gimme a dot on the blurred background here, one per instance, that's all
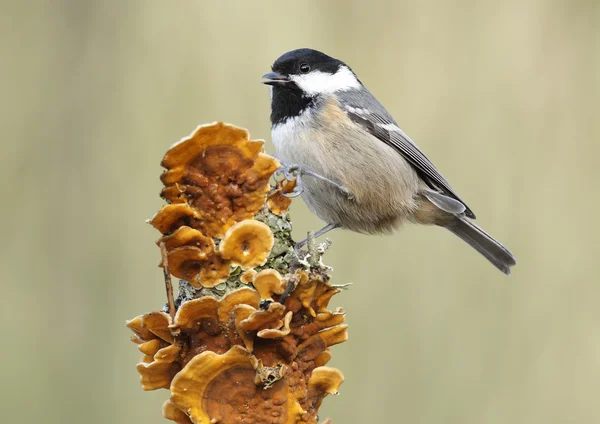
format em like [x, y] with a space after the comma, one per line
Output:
[502, 96]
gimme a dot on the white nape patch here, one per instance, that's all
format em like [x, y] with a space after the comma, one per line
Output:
[396, 128]
[317, 82]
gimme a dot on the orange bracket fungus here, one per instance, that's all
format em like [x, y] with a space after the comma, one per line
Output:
[249, 334]
[247, 243]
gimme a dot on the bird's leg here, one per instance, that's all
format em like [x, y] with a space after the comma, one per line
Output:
[317, 233]
[295, 172]
[327, 180]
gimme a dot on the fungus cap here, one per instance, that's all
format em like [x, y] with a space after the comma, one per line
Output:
[186, 262]
[248, 276]
[219, 172]
[187, 236]
[268, 282]
[274, 333]
[277, 202]
[215, 270]
[170, 217]
[245, 296]
[241, 312]
[173, 413]
[204, 390]
[189, 313]
[247, 243]
[191, 387]
[152, 325]
[326, 379]
[272, 318]
[158, 373]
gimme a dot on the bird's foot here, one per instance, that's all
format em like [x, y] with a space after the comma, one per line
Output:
[296, 172]
[292, 173]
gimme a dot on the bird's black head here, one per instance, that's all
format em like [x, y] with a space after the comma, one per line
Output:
[300, 76]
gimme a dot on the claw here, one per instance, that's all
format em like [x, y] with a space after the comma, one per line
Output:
[293, 194]
[298, 188]
[291, 173]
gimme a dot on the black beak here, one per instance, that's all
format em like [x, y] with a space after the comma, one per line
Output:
[275, 79]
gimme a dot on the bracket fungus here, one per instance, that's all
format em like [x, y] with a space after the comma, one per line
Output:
[250, 334]
[220, 173]
[247, 243]
[268, 282]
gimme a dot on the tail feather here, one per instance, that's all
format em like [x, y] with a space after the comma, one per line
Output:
[481, 241]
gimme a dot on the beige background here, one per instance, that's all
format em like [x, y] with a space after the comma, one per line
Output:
[503, 97]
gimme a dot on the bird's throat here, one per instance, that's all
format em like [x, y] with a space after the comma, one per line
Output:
[287, 103]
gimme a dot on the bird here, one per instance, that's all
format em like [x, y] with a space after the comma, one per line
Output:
[356, 169]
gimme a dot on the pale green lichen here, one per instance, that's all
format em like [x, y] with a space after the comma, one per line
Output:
[282, 254]
[282, 258]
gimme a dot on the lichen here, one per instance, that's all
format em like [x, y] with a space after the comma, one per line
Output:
[283, 253]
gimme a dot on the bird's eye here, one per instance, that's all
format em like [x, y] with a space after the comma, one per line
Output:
[305, 68]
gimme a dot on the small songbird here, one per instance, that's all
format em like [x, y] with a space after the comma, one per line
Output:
[364, 173]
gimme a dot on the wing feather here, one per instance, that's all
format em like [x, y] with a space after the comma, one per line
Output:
[377, 121]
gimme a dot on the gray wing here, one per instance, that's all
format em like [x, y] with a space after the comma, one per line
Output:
[367, 112]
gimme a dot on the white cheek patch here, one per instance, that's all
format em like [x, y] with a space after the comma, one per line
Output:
[317, 82]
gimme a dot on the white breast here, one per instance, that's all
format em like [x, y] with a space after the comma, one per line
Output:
[292, 137]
